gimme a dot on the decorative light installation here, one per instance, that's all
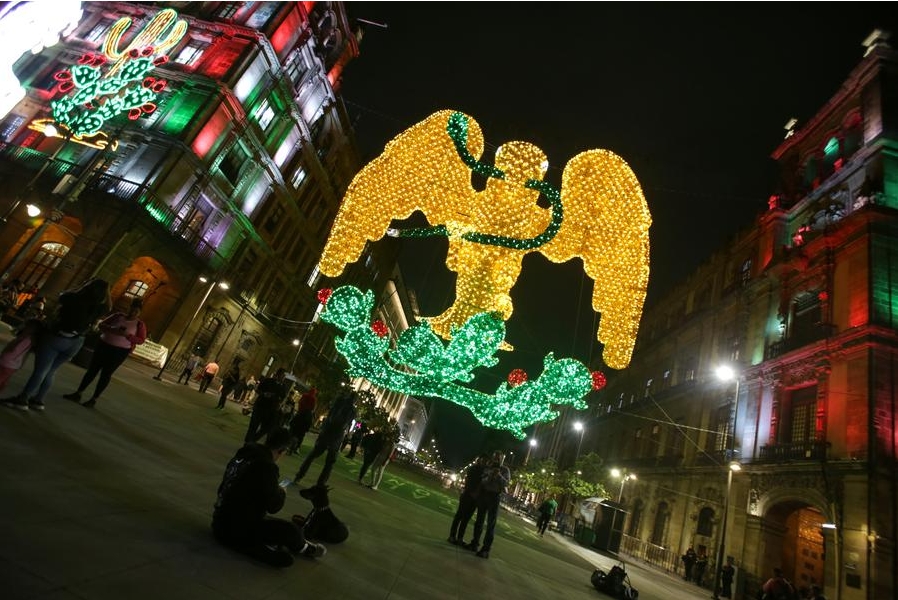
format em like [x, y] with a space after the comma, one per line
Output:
[422, 364]
[600, 216]
[93, 96]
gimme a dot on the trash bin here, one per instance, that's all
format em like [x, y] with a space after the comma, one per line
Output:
[586, 536]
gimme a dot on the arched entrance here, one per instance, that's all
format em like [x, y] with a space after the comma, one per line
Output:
[794, 542]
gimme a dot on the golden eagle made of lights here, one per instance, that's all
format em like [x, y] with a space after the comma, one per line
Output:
[600, 216]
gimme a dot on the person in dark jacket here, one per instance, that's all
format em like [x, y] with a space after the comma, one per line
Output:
[229, 383]
[330, 436]
[78, 311]
[467, 501]
[248, 493]
[270, 393]
[302, 420]
[372, 444]
[496, 477]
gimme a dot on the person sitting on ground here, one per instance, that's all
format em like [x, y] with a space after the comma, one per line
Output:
[248, 493]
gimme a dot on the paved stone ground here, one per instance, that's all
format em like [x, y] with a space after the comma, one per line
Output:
[115, 503]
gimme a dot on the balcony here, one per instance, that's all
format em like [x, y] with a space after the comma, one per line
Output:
[793, 452]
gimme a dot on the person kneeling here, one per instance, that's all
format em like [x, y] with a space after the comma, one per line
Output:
[248, 493]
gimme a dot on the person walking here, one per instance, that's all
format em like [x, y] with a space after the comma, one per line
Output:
[248, 493]
[688, 561]
[495, 480]
[209, 373]
[358, 433]
[371, 445]
[727, 574]
[546, 512]
[467, 500]
[302, 420]
[78, 311]
[229, 382]
[120, 333]
[192, 363]
[383, 458]
[270, 393]
[330, 437]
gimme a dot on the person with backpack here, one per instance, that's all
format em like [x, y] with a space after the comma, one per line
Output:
[495, 479]
[546, 512]
[778, 587]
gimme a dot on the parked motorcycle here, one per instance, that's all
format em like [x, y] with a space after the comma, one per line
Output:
[615, 583]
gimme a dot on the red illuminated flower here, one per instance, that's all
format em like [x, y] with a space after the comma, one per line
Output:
[598, 380]
[517, 377]
[324, 295]
[379, 328]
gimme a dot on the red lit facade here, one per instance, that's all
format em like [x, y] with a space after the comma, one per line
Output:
[804, 305]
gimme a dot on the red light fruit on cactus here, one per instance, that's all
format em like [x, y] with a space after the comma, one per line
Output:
[379, 328]
[517, 377]
[598, 380]
[324, 295]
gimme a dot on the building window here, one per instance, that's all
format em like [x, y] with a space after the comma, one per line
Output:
[136, 289]
[720, 430]
[264, 114]
[274, 217]
[804, 412]
[206, 336]
[705, 522]
[45, 261]
[190, 54]
[228, 10]
[745, 271]
[98, 32]
[806, 318]
[232, 163]
[660, 527]
[298, 177]
[635, 518]
[297, 68]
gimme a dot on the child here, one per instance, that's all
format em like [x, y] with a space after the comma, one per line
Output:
[12, 357]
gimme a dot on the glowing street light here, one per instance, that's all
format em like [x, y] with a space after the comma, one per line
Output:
[578, 426]
[733, 467]
[531, 444]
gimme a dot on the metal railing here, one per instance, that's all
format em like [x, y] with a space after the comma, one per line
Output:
[649, 553]
[815, 450]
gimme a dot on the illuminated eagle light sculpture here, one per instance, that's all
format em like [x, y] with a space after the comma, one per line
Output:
[599, 215]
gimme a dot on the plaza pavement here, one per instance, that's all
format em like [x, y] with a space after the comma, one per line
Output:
[115, 503]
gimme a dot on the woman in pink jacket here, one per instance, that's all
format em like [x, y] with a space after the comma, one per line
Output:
[119, 334]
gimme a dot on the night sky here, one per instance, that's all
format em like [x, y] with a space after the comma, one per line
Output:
[693, 96]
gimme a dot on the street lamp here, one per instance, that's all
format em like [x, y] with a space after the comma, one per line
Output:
[733, 467]
[578, 426]
[300, 342]
[727, 373]
[531, 444]
[212, 285]
[624, 478]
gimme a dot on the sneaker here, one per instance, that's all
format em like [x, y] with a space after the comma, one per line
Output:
[90, 403]
[484, 554]
[74, 397]
[15, 402]
[273, 556]
[452, 541]
[35, 405]
[313, 550]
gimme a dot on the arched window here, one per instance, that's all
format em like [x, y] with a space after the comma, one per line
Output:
[660, 527]
[705, 521]
[45, 261]
[207, 335]
[636, 518]
[136, 289]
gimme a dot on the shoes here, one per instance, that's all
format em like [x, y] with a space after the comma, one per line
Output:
[313, 550]
[274, 556]
[15, 402]
[74, 396]
[453, 541]
[469, 546]
[35, 405]
[90, 403]
[484, 554]
[308, 493]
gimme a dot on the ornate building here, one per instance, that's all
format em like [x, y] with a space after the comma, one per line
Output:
[803, 305]
[173, 146]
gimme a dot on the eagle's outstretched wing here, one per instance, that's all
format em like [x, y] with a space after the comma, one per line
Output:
[606, 223]
[420, 169]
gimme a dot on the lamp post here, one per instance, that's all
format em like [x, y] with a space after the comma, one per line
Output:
[727, 373]
[624, 477]
[531, 444]
[578, 426]
[299, 343]
[212, 285]
[733, 467]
